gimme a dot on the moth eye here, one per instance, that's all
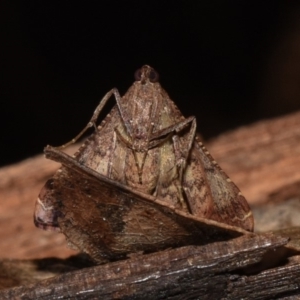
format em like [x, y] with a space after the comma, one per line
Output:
[138, 75]
[153, 76]
[146, 73]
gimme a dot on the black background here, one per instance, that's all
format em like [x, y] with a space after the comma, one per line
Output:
[227, 62]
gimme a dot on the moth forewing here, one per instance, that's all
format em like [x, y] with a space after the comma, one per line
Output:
[211, 192]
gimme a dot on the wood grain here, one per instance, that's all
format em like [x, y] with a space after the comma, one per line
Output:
[262, 159]
[192, 272]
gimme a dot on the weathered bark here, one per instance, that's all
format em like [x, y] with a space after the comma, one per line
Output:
[213, 271]
[262, 159]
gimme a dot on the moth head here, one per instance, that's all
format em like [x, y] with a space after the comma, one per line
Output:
[146, 74]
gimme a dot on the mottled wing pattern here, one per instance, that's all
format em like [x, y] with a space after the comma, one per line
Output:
[97, 150]
[210, 193]
[122, 191]
[229, 203]
[108, 220]
[205, 188]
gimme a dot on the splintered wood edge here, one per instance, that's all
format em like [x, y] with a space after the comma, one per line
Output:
[158, 271]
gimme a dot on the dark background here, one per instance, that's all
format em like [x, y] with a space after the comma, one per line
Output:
[229, 63]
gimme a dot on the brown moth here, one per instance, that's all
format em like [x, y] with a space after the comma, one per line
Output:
[145, 146]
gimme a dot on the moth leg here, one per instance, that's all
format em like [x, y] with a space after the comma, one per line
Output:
[93, 120]
[182, 156]
[159, 136]
[127, 141]
[123, 137]
[181, 151]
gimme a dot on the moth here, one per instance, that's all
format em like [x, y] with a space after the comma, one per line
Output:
[143, 181]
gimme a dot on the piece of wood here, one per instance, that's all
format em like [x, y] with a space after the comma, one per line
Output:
[263, 159]
[208, 272]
